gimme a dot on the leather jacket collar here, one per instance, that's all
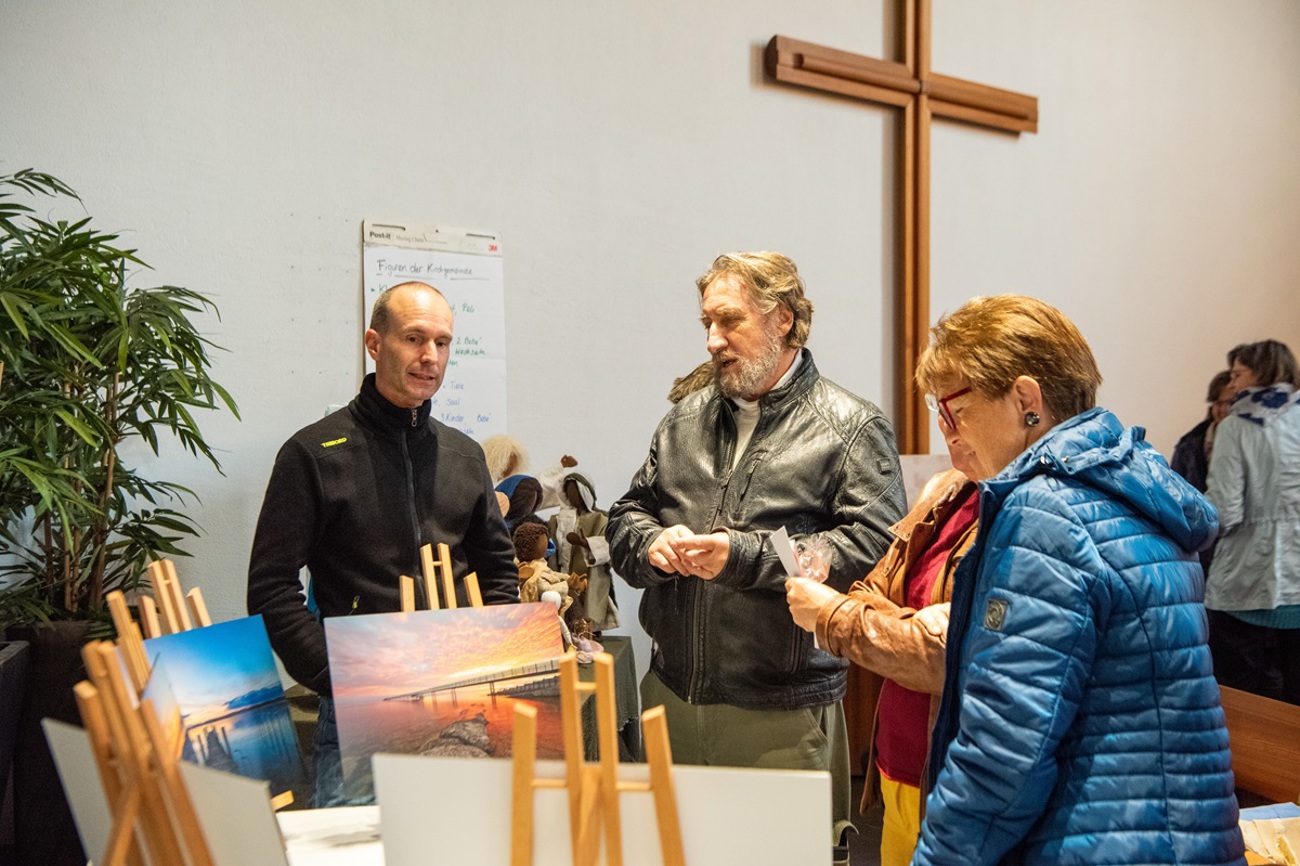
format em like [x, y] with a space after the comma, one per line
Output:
[799, 383]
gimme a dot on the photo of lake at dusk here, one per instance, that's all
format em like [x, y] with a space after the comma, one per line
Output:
[443, 682]
[257, 742]
[222, 681]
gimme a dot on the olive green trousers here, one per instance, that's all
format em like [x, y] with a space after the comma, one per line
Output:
[809, 738]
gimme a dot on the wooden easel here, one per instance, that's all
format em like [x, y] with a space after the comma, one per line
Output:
[130, 644]
[176, 608]
[433, 569]
[137, 756]
[593, 789]
[176, 618]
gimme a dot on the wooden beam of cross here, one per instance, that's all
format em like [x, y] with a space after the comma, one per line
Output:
[922, 95]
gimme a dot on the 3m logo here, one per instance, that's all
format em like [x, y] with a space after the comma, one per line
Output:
[995, 615]
[333, 442]
[492, 248]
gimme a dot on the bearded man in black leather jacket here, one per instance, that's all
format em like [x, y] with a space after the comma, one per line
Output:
[770, 444]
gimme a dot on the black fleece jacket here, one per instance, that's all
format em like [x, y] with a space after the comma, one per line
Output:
[353, 497]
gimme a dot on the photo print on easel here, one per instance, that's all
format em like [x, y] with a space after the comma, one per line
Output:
[442, 682]
[233, 711]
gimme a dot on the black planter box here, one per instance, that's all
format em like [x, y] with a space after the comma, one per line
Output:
[13, 680]
[44, 832]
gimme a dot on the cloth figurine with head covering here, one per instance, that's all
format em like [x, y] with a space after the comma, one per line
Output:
[578, 532]
[506, 457]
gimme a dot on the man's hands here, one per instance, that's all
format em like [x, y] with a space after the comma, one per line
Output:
[806, 598]
[681, 551]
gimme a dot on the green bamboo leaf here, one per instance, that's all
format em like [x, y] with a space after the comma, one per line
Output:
[78, 426]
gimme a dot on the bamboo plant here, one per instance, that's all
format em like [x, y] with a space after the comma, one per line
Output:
[90, 361]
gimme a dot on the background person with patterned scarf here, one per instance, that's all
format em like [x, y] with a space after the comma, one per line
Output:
[1253, 589]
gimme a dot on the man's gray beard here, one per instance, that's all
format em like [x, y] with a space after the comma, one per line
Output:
[745, 377]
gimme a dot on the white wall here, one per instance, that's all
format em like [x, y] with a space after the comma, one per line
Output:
[618, 147]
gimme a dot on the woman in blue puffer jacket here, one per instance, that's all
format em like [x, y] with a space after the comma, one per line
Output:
[1080, 718]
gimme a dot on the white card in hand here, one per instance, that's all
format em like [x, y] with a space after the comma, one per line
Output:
[785, 550]
[789, 560]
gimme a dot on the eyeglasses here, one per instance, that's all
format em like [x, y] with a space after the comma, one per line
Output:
[940, 405]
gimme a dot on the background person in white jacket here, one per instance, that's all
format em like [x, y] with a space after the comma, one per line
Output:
[1253, 589]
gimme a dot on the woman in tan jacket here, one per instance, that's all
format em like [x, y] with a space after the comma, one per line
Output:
[894, 623]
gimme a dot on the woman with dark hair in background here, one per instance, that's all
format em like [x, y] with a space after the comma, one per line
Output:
[1253, 588]
[1192, 453]
[1191, 457]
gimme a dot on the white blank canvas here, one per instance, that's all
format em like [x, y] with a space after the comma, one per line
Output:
[457, 810]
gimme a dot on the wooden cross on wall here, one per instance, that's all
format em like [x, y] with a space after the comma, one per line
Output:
[922, 95]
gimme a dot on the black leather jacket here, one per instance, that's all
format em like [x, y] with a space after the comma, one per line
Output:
[821, 461]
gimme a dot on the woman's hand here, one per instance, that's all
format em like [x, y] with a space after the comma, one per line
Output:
[806, 599]
[934, 618]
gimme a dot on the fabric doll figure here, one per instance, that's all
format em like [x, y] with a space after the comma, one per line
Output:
[524, 495]
[578, 530]
[535, 577]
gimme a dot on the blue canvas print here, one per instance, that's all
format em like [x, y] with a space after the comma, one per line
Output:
[234, 714]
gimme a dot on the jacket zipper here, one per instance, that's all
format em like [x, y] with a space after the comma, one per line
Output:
[696, 660]
[410, 493]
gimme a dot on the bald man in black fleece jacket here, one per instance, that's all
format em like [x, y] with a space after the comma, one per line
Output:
[354, 496]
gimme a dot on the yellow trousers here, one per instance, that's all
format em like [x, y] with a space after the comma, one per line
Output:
[902, 822]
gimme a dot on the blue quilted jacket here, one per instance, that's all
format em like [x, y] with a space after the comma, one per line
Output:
[1080, 719]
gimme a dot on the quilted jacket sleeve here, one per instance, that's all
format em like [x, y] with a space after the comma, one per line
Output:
[1026, 660]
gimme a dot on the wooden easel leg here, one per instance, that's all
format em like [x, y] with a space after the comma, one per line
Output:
[194, 598]
[132, 751]
[177, 598]
[123, 796]
[149, 617]
[163, 596]
[448, 581]
[607, 732]
[406, 592]
[165, 757]
[571, 718]
[591, 806]
[654, 727]
[593, 789]
[129, 640]
[472, 590]
[525, 770]
[121, 838]
[429, 568]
